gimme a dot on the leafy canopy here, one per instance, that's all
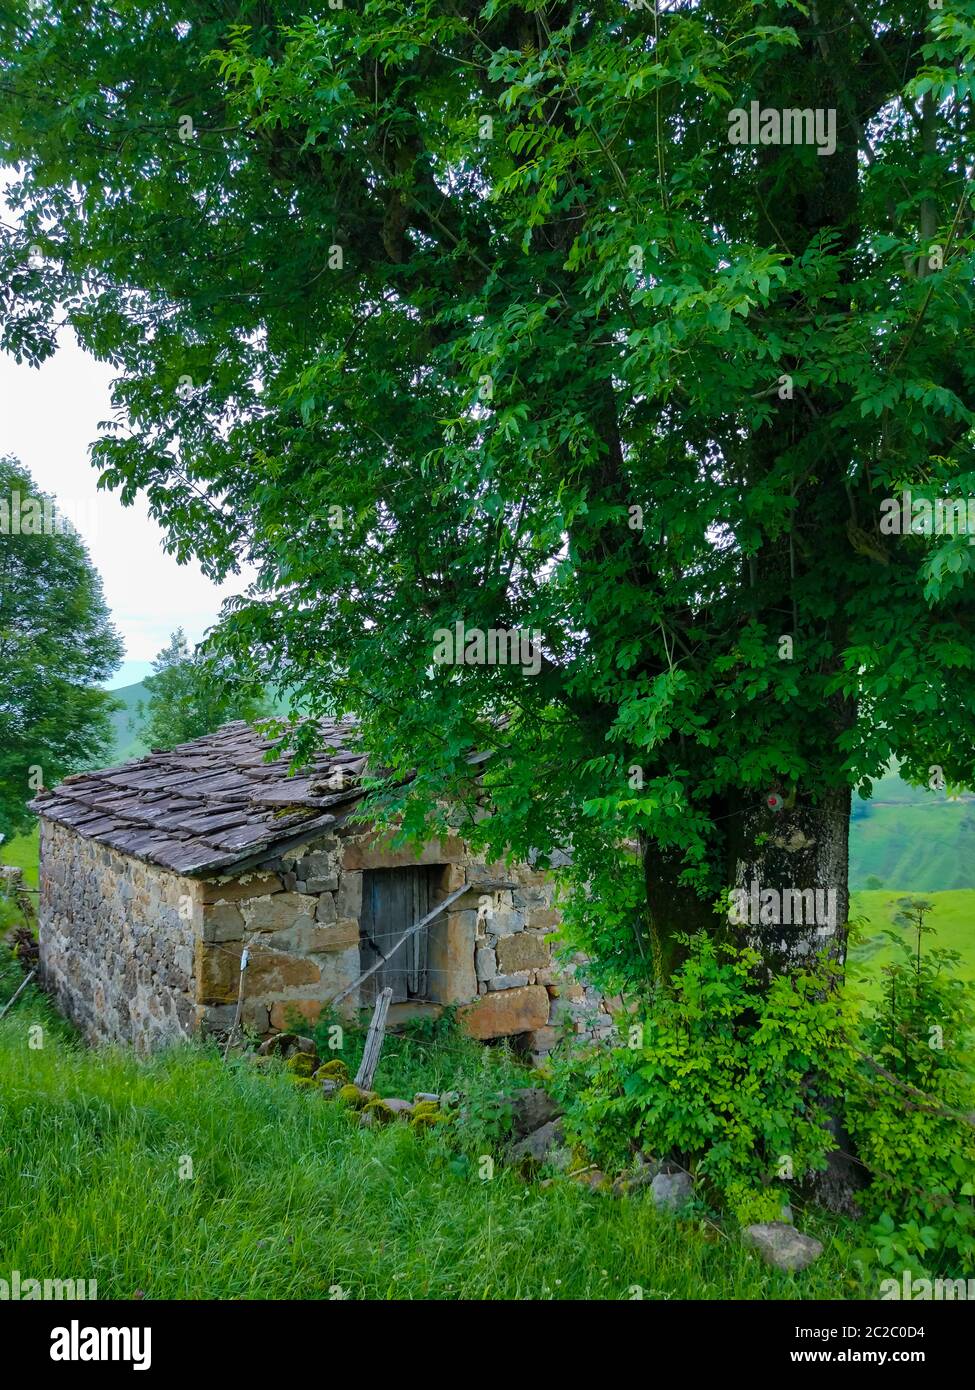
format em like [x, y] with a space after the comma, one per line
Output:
[56, 645]
[474, 313]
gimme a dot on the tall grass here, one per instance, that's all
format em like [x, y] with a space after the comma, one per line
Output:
[288, 1198]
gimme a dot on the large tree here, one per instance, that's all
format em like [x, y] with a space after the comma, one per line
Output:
[484, 313]
[56, 645]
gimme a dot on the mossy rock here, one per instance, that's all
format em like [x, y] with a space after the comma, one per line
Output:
[300, 1064]
[429, 1119]
[385, 1112]
[335, 1070]
[302, 1080]
[425, 1107]
[355, 1097]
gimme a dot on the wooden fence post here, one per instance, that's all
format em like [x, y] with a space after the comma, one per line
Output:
[374, 1041]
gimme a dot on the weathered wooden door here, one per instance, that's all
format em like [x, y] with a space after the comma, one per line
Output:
[392, 900]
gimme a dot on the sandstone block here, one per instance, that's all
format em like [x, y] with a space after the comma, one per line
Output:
[270, 971]
[278, 912]
[348, 898]
[283, 1010]
[523, 951]
[451, 956]
[485, 964]
[544, 918]
[370, 853]
[222, 922]
[217, 970]
[506, 1012]
[212, 891]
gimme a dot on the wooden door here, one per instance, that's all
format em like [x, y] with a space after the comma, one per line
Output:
[392, 901]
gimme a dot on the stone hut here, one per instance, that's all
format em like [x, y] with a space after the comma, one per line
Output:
[155, 876]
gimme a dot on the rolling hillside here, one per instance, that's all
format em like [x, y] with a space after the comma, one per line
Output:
[912, 839]
[125, 722]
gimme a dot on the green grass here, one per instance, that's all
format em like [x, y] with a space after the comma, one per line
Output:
[23, 853]
[289, 1198]
[953, 920]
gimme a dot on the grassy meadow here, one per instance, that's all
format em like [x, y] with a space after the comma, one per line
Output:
[288, 1198]
[181, 1177]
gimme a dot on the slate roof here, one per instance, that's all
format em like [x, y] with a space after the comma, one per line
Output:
[208, 806]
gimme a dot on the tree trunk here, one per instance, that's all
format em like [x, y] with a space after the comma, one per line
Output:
[789, 869]
[789, 874]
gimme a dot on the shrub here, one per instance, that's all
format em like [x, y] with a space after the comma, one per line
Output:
[911, 1105]
[735, 1082]
[738, 1085]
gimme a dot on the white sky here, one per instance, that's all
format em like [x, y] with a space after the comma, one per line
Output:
[48, 418]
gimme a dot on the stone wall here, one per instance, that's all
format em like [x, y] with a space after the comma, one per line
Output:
[116, 941]
[140, 955]
[299, 917]
[489, 953]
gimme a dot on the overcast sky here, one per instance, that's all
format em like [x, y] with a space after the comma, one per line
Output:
[48, 418]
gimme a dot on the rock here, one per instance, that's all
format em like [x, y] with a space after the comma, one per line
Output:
[333, 1070]
[485, 964]
[385, 1109]
[398, 1107]
[222, 922]
[507, 1011]
[508, 981]
[355, 1096]
[348, 899]
[633, 1181]
[670, 1191]
[270, 971]
[544, 1145]
[543, 917]
[425, 1095]
[523, 951]
[279, 912]
[426, 1107]
[531, 1107]
[781, 1245]
[284, 1009]
[592, 1178]
[325, 911]
[451, 954]
[301, 1064]
[232, 890]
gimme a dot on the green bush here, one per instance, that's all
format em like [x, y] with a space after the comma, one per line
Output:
[912, 1122]
[738, 1083]
[732, 1081]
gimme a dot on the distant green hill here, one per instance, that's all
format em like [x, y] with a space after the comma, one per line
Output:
[125, 722]
[912, 839]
